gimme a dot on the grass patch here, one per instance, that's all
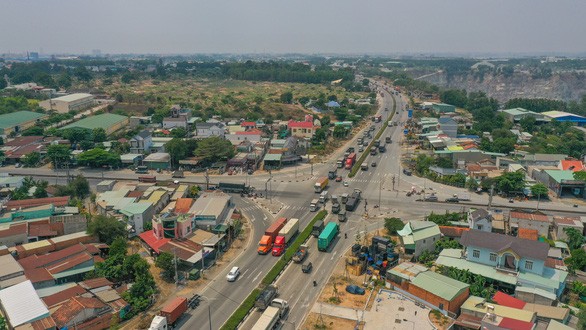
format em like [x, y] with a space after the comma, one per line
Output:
[365, 154]
[248, 303]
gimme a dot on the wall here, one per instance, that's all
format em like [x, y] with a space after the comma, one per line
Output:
[427, 244]
[452, 306]
[541, 226]
[71, 223]
[533, 298]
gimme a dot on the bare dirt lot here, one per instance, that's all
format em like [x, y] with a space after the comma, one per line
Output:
[316, 321]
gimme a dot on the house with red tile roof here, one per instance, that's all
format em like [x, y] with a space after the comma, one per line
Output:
[526, 233]
[529, 220]
[561, 223]
[571, 165]
[183, 205]
[302, 129]
[452, 232]
[13, 234]
[248, 125]
[78, 310]
[63, 296]
[34, 202]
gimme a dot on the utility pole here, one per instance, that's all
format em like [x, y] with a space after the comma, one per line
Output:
[207, 176]
[380, 189]
[393, 182]
[175, 263]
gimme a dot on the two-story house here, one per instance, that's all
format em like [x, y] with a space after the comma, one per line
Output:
[302, 129]
[419, 236]
[141, 143]
[448, 126]
[208, 129]
[179, 118]
[480, 219]
[506, 259]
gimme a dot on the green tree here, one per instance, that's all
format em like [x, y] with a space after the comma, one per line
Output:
[32, 159]
[166, 262]
[445, 243]
[82, 73]
[107, 229]
[392, 225]
[119, 246]
[580, 175]
[286, 97]
[214, 148]
[79, 187]
[33, 131]
[59, 154]
[3, 325]
[340, 132]
[41, 189]
[341, 113]
[575, 238]
[179, 132]
[99, 134]
[177, 149]
[75, 135]
[577, 261]
[582, 318]
[539, 190]
[472, 184]
[64, 80]
[98, 157]
[511, 182]
[528, 124]
[320, 134]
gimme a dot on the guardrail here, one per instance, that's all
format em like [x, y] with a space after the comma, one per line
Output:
[248, 304]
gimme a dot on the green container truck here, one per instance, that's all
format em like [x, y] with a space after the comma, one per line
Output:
[327, 236]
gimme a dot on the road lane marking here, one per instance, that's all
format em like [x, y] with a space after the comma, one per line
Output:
[246, 271]
[256, 277]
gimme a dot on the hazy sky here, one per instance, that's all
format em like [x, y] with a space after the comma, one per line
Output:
[305, 26]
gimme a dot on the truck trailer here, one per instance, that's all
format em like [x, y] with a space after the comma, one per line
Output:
[350, 161]
[169, 314]
[327, 236]
[266, 242]
[233, 187]
[289, 230]
[272, 315]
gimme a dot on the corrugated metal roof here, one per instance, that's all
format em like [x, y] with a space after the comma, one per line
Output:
[476, 268]
[15, 118]
[439, 285]
[72, 97]
[22, 304]
[407, 270]
[104, 121]
[478, 304]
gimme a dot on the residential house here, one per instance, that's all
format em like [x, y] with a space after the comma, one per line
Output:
[79, 310]
[21, 304]
[248, 125]
[141, 143]
[571, 165]
[11, 272]
[452, 232]
[137, 215]
[478, 313]
[508, 261]
[208, 129]
[561, 223]
[542, 159]
[252, 135]
[544, 313]
[13, 234]
[179, 118]
[419, 236]
[480, 219]
[448, 126]
[211, 209]
[529, 220]
[170, 225]
[441, 172]
[10, 182]
[302, 129]
[483, 169]
[157, 160]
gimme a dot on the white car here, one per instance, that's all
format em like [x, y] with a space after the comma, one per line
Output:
[345, 183]
[233, 274]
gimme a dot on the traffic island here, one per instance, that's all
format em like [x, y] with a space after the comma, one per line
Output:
[271, 205]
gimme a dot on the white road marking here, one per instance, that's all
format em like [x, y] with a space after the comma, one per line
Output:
[244, 273]
[256, 277]
[333, 255]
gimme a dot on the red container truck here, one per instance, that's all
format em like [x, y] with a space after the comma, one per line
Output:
[266, 242]
[350, 161]
[171, 313]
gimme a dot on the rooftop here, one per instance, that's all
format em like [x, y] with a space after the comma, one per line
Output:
[499, 242]
[439, 285]
[407, 270]
[210, 204]
[72, 97]
[9, 266]
[105, 121]
[451, 258]
[15, 118]
[64, 295]
[300, 124]
[480, 305]
[22, 304]
[158, 157]
[135, 208]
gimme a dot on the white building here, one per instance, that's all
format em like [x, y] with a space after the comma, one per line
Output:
[71, 102]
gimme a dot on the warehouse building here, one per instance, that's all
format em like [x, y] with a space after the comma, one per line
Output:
[19, 121]
[109, 122]
[71, 102]
[565, 117]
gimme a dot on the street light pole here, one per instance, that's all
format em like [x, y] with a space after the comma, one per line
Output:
[209, 311]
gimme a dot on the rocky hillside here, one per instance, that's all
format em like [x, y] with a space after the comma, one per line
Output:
[564, 86]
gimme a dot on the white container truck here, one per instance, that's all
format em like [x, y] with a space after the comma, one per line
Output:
[290, 229]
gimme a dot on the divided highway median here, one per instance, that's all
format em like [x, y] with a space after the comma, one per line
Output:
[360, 160]
[248, 304]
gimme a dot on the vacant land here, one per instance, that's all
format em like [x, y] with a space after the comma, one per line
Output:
[225, 97]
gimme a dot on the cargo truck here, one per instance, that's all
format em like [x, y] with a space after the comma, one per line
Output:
[327, 236]
[300, 255]
[289, 230]
[353, 200]
[147, 178]
[320, 184]
[314, 205]
[169, 314]
[335, 208]
[272, 315]
[142, 170]
[342, 216]
[317, 228]
[265, 298]
[350, 161]
[332, 173]
[266, 242]
[344, 198]
[233, 187]
[378, 118]
[323, 197]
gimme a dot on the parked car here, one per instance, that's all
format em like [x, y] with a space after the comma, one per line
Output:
[355, 289]
[233, 274]
[452, 200]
